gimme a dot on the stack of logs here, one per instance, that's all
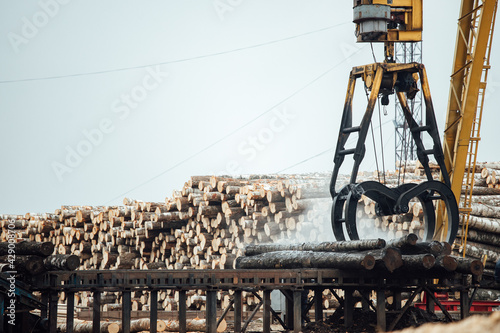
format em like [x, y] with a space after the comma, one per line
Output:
[211, 219]
[403, 255]
[483, 227]
[33, 258]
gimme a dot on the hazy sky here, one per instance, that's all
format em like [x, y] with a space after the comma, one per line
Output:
[105, 99]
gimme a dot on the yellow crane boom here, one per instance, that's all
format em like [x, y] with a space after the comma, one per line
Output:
[465, 105]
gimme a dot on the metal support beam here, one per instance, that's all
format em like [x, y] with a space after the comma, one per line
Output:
[45, 301]
[237, 311]
[348, 308]
[211, 312]
[289, 308]
[53, 299]
[153, 315]
[266, 316]
[96, 313]
[182, 311]
[464, 304]
[318, 305]
[397, 299]
[297, 311]
[365, 306]
[429, 304]
[126, 310]
[70, 311]
[381, 319]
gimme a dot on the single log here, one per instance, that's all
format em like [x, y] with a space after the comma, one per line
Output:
[144, 324]
[445, 263]
[483, 237]
[469, 266]
[447, 248]
[477, 252]
[84, 326]
[65, 262]
[307, 259]
[340, 246]
[435, 248]
[492, 200]
[489, 165]
[407, 240]
[193, 325]
[483, 223]
[388, 258]
[485, 210]
[28, 248]
[417, 262]
[477, 190]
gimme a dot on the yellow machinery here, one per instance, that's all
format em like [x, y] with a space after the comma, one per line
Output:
[465, 106]
[392, 21]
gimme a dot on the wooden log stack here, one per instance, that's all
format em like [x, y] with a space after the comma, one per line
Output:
[209, 221]
[403, 255]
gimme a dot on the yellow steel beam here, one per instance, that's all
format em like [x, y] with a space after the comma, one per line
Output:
[475, 28]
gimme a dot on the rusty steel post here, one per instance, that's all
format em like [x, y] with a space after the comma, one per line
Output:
[153, 315]
[267, 312]
[126, 310]
[182, 311]
[297, 311]
[237, 311]
[211, 312]
[70, 311]
[96, 313]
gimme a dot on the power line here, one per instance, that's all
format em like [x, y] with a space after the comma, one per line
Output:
[324, 152]
[235, 130]
[308, 159]
[175, 61]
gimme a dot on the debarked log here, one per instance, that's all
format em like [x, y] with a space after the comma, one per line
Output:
[307, 259]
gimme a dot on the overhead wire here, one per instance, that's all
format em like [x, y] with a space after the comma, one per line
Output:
[322, 153]
[175, 61]
[237, 129]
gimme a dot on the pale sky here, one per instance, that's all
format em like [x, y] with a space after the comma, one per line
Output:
[105, 99]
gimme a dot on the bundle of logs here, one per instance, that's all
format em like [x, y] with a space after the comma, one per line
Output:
[33, 258]
[401, 255]
[482, 227]
[208, 223]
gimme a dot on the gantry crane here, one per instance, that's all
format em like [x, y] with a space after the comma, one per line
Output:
[393, 21]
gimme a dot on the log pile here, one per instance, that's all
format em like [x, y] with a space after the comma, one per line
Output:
[33, 258]
[403, 255]
[483, 231]
[208, 223]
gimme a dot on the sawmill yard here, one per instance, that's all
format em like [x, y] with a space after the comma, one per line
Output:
[252, 222]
